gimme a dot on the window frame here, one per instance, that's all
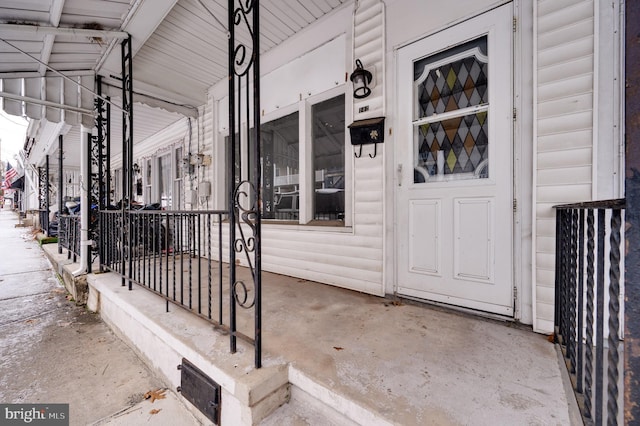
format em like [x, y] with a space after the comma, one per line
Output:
[306, 161]
[177, 181]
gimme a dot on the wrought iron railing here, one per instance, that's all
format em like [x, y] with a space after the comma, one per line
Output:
[43, 219]
[69, 235]
[589, 307]
[179, 256]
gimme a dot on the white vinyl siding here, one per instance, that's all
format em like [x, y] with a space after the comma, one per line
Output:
[564, 35]
[349, 256]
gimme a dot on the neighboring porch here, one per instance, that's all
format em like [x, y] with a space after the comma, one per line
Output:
[349, 357]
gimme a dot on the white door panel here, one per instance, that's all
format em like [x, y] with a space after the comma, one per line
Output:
[473, 239]
[454, 144]
[424, 239]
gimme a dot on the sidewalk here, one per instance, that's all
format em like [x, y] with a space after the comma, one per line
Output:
[53, 351]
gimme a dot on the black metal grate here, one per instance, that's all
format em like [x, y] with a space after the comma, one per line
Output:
[200, 390]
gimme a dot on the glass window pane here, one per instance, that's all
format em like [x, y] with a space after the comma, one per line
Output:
[458, 146]
[165, 180]
[451, 80]
[328, 158]
[280, 159]
[178, 161]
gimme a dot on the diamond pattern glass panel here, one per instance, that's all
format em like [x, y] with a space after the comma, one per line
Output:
[447, 85]
[461, 143]
[455, 147]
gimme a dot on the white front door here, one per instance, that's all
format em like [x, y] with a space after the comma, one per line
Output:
[454, 203]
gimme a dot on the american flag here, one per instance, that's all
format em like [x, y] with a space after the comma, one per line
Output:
[9, 175]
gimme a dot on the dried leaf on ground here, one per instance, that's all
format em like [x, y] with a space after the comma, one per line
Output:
[31, 321]
[338, 348]
[155, 394]
[155, 411]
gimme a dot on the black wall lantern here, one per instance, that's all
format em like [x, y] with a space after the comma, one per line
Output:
[361, 79]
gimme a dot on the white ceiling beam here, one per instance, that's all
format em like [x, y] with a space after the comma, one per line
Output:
[13, 29]
[45, 54]
[56, 12]
[54, 19]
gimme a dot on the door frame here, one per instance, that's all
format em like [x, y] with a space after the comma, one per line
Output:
[522, 164]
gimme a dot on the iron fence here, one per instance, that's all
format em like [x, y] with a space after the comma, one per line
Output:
[43, 219]
[589, 306]
[179, 256]
[69, 235]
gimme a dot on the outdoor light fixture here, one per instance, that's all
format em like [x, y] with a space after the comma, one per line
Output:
[361, 79]
[136, 168]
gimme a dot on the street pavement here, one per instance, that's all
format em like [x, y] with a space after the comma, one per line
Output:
[53, 351]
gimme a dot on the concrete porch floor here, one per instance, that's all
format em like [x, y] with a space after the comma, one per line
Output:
[374, 361]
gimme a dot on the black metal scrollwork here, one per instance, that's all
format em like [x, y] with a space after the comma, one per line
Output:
[243, 53]
[99, 167]
[246, 206]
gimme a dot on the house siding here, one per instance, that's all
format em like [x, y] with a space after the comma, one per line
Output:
[350, 258]
[563, 145]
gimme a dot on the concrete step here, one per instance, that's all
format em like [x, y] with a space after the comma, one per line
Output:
[303, 409]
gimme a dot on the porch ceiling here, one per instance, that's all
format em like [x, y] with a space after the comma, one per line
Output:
[179, 46]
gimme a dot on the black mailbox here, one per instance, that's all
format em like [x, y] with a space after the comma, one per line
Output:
[363, 132]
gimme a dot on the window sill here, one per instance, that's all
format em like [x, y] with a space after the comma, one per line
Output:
[312, 226]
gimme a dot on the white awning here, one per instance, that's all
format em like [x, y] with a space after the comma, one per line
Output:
[51, 97]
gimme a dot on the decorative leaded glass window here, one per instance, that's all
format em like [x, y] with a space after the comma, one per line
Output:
[450, 120]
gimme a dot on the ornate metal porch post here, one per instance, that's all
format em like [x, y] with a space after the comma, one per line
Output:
[60, 188]
[43, 196]
[244, 198]
[127, 149]
[99, 167]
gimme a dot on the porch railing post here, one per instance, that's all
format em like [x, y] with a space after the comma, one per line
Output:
[580, 302]
[232, 177]
[588, 379]
[127, 160]
[88, 181]
[599, 317]
[573, 248]
[99, 159]
[60, 188]
[244, 197]
[258, 182]
[46, 195]
[614, 323]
